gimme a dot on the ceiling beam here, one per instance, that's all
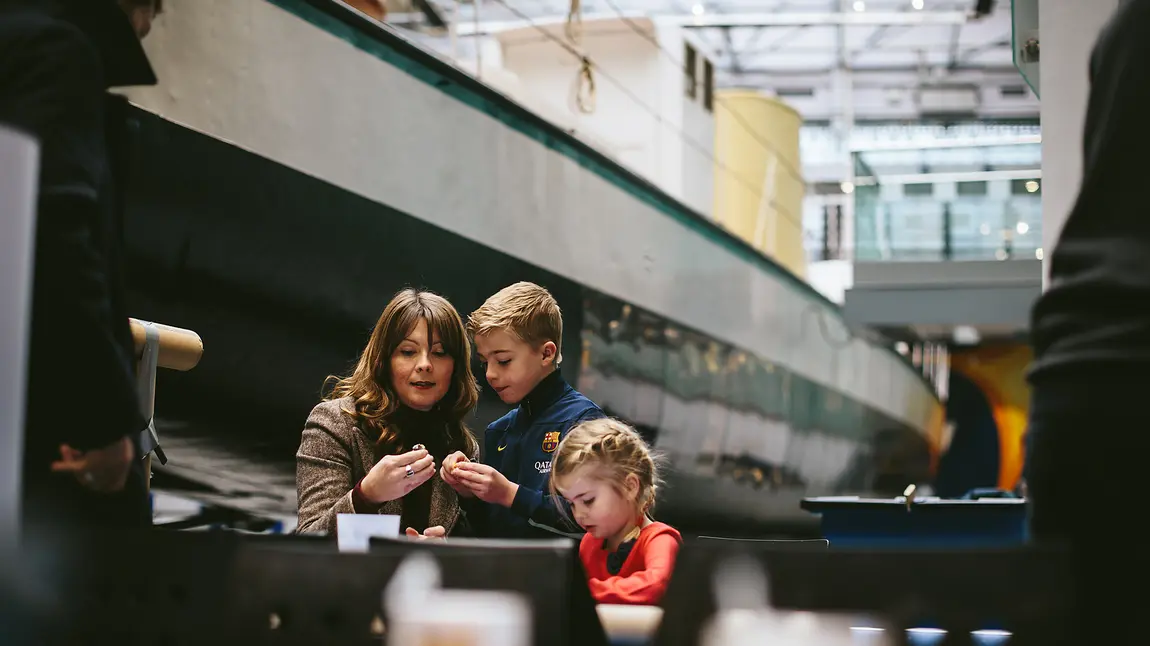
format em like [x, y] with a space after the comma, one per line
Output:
[952, 53]
[808, 19]
[737, 20]
[865, 69]
[939, 178]
[983, 142]
[866, 49]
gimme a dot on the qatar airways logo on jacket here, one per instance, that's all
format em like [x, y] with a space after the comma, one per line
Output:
[543, 467]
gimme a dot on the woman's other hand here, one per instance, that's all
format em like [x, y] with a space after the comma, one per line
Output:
[435, 532]
[104, 470]
[396, 475]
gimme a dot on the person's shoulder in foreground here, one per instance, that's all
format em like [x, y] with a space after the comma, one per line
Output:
[1090, 316]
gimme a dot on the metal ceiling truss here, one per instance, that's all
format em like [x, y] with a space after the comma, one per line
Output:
[768, 43]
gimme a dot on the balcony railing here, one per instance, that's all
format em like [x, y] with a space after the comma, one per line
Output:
[977, 201]
[956, 228]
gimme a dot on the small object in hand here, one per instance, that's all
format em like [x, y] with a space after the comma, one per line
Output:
[456, 465]
[418, 447]
[410, 472]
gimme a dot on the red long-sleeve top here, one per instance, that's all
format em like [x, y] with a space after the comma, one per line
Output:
[643, 578]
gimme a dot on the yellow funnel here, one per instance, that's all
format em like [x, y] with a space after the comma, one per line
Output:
[758, 180]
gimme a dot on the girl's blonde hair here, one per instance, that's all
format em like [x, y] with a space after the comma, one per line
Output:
[617, 450]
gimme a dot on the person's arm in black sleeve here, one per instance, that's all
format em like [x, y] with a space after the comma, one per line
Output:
[1115, 131]
[540, 507]
[51, 87]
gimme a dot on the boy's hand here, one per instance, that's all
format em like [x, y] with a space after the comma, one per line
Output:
[486, 483]
[446, 473]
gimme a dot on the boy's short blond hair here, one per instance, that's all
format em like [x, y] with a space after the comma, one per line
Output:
[526, 311]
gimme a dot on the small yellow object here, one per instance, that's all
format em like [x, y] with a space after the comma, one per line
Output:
[908, 493]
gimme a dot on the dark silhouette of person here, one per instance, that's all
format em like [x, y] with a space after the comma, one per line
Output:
[82, 466]
[1089, 426]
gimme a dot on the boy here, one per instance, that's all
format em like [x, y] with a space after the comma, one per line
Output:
[518, 336]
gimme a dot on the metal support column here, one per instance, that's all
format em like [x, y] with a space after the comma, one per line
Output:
[844, 91]
[947, 242]
[477, 40]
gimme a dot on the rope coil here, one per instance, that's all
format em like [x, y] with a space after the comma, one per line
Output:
[583, 91]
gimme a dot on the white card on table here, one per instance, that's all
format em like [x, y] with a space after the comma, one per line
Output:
[356, 530]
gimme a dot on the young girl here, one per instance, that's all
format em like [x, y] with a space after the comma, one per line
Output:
[605, 470]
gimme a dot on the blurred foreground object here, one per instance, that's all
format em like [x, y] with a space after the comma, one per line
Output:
[745, 614]
[19, 160]
[629, 623]
[421, 612]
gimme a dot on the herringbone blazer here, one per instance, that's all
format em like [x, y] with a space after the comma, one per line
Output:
[335, 454]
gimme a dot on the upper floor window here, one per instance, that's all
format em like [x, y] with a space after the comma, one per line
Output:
[690, 68]
[918, 190]
[708, 86]
[970, 188]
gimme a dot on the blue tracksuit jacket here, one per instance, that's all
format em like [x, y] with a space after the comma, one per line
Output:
[520, 445]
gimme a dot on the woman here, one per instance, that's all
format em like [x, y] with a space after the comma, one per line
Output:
[371, 447]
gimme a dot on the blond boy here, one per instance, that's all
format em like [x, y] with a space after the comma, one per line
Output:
[518, 335]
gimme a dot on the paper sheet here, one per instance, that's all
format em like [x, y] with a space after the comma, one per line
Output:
[356, 530]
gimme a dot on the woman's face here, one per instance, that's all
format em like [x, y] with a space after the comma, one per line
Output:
[421, 369]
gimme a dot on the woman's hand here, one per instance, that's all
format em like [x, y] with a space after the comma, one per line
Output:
[446, 471]
[389, 479]
[435, 532]
[486, 483]
[104, 470]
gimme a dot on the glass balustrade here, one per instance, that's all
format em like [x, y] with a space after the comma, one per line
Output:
[977, 202]
[959, 228]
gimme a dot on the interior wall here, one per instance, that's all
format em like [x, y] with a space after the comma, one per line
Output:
[1068, 29]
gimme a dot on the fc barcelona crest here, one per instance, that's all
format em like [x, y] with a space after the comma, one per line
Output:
[550, 441]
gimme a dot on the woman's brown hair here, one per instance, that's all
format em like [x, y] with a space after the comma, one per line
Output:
[369, 385]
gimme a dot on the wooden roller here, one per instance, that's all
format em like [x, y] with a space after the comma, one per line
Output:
[180, 349]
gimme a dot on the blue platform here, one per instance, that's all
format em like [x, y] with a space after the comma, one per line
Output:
[851, 521]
